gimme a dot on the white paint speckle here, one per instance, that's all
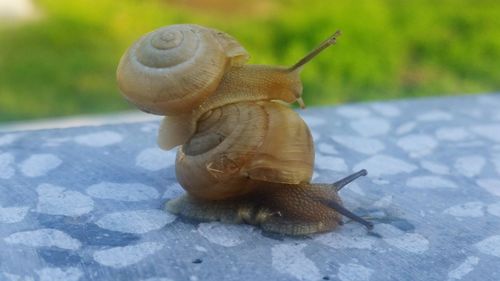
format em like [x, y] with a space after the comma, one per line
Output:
[435, 115]
[349, 236]
[173, 191]
[45, 237]
[435, 167]
[15, 277]
[119, 257]
[39, 164]
[200, 248]
[66, 274]
[491, 131]
[409, 242]
[56, 200]
[496, 162]
[380, 181]
[155, 159]
[452, 134]
[327, 148]
[313, 121]
[157, 279]
[141, 221]
[379, 165]
[463, 269]
[99, 139]
[383, 202]
[494, 209]
[490, 100]
[369, 127]
[490, 246]
[6, 169]
[386, 110]
[470, 166]
[406, 128]
[150, 127]
[227, 235]
[362, 145]
[330, 163]
[425, 182]
[354, 187]
[354, 272]
[417, 145]
[122, 191]
[492, 185]
[53, 142]
[353, 112]
[12, 214]
[8, 139]
[469, 209]
[290, 259]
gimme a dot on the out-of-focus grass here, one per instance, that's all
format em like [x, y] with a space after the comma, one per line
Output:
[64, 63]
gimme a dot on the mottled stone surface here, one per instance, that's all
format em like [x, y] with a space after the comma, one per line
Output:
[86, 203]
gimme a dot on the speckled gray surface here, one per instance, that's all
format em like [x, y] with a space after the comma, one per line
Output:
[85, 203]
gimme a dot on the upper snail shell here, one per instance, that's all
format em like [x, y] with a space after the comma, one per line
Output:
[173, 69]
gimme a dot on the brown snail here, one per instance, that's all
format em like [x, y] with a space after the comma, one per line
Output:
[245, 155]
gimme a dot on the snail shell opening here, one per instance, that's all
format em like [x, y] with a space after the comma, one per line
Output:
[173, 69]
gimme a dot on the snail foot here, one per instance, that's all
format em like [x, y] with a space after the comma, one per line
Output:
[290, 209]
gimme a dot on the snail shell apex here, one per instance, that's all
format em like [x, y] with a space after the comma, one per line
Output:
[173, 69]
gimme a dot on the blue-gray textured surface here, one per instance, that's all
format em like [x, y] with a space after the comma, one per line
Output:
[86, 203]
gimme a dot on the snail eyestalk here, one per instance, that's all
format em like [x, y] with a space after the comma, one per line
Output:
[340, 209]
[325, 44]
[338, 185]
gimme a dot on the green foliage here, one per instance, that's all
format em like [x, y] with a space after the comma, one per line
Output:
[64, 63]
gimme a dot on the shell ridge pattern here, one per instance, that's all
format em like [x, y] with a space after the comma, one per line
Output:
[165, 68]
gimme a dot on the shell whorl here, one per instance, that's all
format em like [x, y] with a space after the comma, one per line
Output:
[240, 144]
[173, 69]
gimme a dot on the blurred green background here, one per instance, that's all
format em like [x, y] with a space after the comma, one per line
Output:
[63, 60]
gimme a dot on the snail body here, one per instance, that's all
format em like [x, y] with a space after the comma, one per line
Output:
[244, 155]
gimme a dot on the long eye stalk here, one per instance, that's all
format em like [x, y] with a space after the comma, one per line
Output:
[325, 44]
[338, 185]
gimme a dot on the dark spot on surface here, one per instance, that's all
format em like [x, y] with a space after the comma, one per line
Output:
[87, 233]
[399, 223]
[197, 261]
[59, 258]
[326, 277]
[281, 237]
[273, 235]
[374, 234]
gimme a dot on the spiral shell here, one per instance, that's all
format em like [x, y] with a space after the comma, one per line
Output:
[173, 69]
[240, 144]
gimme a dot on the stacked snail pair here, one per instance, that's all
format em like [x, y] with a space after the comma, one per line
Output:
[245, 156]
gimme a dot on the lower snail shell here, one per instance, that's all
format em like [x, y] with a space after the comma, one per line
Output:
[239, 144]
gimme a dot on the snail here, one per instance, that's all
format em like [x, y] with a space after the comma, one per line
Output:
[245, 156]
